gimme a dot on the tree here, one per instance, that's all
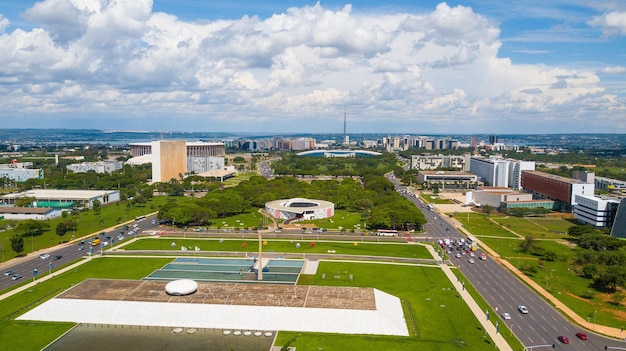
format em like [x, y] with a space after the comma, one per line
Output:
[96, 206]
[24, 201]
[617, 298]
[527, 243]
[61, 229]
[487, 209]
[17, 244]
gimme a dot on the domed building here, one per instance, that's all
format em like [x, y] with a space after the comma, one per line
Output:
[300, 209]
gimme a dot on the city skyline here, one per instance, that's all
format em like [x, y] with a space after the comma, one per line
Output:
[475, 66]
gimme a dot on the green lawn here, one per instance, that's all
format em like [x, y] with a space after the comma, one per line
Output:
[442, 320]
[284, 246]
[534, 226]
[435, 199]
[34, 336]
[481, 225]
[88, 222]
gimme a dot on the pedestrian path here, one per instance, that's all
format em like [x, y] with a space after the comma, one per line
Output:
[459, 285]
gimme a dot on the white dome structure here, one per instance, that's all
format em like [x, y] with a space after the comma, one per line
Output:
[181, 287]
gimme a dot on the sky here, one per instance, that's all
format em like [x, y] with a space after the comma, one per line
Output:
[411, 67]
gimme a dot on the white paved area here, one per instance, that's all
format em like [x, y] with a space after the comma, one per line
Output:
[310, 267]
[387, 319]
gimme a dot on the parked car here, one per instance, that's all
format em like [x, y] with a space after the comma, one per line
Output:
[581, 336]
[16, 276]
[505, 315]
[563, 339]
[522, 309]
[8, 273]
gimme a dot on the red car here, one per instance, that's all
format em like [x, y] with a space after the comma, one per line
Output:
[581, 336]
[563, 339]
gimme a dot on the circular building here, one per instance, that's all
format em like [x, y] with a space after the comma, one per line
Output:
[181, 287]
[300, 209]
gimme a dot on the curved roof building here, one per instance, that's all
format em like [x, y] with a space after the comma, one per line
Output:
[339, 153]
[300, 209]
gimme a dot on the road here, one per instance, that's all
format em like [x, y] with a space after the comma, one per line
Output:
[69, 252]
[504, 292]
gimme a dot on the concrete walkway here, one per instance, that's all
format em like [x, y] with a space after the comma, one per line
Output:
[490, 328]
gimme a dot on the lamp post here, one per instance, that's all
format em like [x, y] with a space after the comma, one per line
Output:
[538, 346]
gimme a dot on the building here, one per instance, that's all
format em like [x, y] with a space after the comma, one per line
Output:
[63, 198]
[515, 172]
[169, 160]
[21, 174]
[300, 209]
[98, 167]
[599, 212]
[495, 196]
[559, 189]
[448, 179]
[493, 171]
[25, 213]
[430, 161]
[602, 183]
[200, 156]
[619, 223]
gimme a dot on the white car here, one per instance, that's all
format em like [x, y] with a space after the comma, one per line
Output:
[522, 309]
[44, 256]
[506, 315]
[471, 260]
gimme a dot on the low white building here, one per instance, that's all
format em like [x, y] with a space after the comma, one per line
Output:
[58, 198]
[24, 213]
[98, 167]
[496, 196]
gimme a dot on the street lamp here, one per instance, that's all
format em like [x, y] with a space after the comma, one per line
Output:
[538, 346]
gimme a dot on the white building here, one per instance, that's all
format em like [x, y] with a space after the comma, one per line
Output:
[48, 197]
[494, 171]
[495, 196]
[515, 172]
[25, 213]
[21, 174]
[594, 210]
[430, 162]
[98, 167]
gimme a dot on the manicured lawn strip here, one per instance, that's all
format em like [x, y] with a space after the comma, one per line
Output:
[347, 221]
[554, 225]
[33, 336]
[246, 221]
[443, 320]
[480, 225]
[528, 226]
[274, 247]
[435, 199]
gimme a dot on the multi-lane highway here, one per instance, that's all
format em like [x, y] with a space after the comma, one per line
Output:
[33, 264]
[504, 292]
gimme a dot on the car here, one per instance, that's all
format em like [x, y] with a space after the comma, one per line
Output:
[81, 248]
[471, 254]
[44, 256]
[458, 255]
[563, 339]
[522, 309]
[581, 336]
[16, 276]
[57, 257]
[8, 273]
[505, 315]
[471, 260]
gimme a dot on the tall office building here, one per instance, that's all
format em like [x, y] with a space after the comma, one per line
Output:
[619, 223]
[493, 139]
[494, 171]
[169, 160]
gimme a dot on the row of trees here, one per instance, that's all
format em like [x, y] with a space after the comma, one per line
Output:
[372, 196]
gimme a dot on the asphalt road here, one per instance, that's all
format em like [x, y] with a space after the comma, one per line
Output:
[69, 252]
[505, 292]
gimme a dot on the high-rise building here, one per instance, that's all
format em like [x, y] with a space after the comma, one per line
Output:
[169, 160]
[493, 139]
[494, 171]
[619, 223]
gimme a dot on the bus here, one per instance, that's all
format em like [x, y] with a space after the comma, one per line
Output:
[386, 232]
[473, 242]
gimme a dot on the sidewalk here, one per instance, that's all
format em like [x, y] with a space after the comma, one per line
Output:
[497, 338]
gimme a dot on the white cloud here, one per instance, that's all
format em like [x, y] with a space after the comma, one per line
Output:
[119, 57]
[613, 70]
[612, 23]
[4, 23]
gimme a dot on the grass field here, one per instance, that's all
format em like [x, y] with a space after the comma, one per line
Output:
[537, 227]
[284, 246]
[481, 225]
[442, 320]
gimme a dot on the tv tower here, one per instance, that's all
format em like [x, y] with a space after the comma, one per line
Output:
[346, 138]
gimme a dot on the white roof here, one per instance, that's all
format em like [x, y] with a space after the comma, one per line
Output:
[59, 194]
